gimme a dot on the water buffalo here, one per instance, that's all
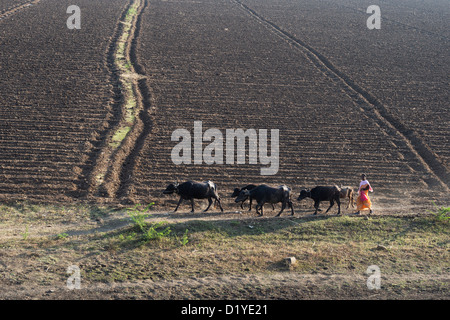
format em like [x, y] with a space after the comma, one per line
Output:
[348, 193]
[191, 190]
[265, 194]
[247, 187]
[321, 193]
[236, 192]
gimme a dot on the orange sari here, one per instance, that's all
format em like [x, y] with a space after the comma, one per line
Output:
[363, 200]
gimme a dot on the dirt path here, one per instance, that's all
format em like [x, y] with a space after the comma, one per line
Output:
[289, 286]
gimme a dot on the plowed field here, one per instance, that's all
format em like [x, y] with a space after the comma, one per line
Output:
[231, 67]
[87, 117]
[56, 98]
[345, 99]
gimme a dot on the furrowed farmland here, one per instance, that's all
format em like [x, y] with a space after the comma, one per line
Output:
[97, 120]
[231, 68]
[57, 98]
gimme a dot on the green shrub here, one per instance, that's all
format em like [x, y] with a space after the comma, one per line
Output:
[149, 232]
[138, 215]
[441, 214]
[153, 234]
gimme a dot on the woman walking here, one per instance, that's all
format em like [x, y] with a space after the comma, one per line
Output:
[363, 202]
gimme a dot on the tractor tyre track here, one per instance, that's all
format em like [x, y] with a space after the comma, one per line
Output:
[111, 178]
[428, 161]
[100, 153]
[124, 191]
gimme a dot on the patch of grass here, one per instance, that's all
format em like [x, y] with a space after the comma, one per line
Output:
[131, 13]
[184, 239]
[62, 235]
[26, 233]
[328, 244]
[148, 232]
[130, 104]
[119, 136]
[442, 214]
[125, 65]
[152, 249]
[155, 231]
[128, 237]
[138, 215]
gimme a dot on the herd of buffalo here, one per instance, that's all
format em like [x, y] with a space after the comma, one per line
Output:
[262, 194]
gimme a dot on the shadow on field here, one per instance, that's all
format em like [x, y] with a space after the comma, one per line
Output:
[230, 224]
[122, 235]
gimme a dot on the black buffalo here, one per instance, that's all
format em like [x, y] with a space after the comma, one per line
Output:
[247, 187]
[265, 194]
[191, 190]
[236, 192]
[322, 193]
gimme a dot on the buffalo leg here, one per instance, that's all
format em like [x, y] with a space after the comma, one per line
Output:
[250, 207]
[339, 205]
[179, 202]
[209, 204]
[283, 205]
[292, 207]
[220, 205]
[260, 207]
[331, 204]
[316, 205]
[192, 204]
